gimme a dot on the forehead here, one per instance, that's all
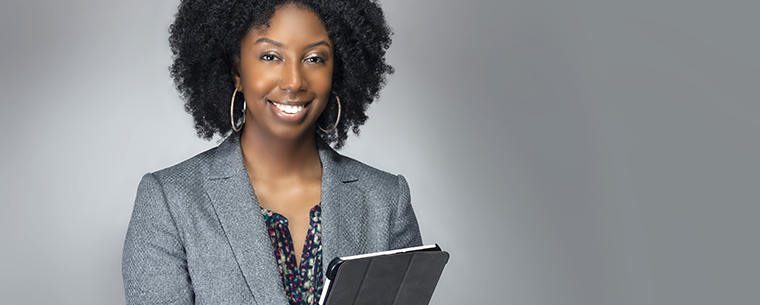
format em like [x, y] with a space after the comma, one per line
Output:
[293, 23]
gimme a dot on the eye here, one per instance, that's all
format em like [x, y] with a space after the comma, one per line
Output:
[269, 57]
[315, 59]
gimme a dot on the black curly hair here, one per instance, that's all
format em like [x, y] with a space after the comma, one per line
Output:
[205, 42]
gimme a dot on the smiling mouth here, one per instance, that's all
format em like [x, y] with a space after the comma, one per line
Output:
[289, 109]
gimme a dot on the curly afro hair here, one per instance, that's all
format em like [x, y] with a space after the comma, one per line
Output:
[205, 42]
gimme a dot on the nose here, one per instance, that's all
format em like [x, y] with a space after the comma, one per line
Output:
[292, 78]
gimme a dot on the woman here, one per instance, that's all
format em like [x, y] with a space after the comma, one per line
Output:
[256, 219]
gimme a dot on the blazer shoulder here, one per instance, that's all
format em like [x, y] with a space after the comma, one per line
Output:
[369, 175]
[190, 171]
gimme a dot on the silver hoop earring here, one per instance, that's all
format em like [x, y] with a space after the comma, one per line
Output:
[337, 99]
[232, 113]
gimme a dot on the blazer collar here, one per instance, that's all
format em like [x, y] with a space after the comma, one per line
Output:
[228, 161]
[229, 189]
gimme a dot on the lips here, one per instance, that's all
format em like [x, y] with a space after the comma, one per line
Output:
[289, 111]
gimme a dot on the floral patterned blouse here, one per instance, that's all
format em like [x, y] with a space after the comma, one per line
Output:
[303, 284]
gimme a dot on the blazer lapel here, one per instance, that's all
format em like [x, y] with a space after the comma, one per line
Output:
[340, 231]
[232, 196]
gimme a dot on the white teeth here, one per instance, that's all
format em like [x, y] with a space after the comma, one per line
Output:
[288, 108]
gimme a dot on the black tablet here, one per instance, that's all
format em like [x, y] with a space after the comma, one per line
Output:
[405, 276]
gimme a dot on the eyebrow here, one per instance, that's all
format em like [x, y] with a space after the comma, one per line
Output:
[318, 43]
[269, 41]
[280, 45]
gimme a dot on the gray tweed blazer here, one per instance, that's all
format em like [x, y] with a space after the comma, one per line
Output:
[197, 236]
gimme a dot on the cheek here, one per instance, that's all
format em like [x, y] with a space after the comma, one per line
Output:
[321, 81]
[258, 80]
[260, 86]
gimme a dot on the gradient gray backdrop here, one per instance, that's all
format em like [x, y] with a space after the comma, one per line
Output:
[564, 152]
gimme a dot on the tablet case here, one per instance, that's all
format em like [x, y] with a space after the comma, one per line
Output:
[397, 279]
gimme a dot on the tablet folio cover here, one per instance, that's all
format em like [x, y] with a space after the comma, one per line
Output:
[397, 279]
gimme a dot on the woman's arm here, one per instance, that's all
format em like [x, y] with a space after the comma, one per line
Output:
[404, 230]
[154, 265]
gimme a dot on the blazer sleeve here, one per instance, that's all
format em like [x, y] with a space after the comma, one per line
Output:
[405, 231]
[154, 264]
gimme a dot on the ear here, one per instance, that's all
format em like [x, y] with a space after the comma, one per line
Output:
[236, 75]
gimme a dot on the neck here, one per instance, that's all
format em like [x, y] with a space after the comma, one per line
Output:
[267, 159]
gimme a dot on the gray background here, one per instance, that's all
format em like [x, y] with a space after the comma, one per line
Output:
[564, 152]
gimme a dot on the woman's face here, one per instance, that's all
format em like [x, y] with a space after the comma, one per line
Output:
[285, 74]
